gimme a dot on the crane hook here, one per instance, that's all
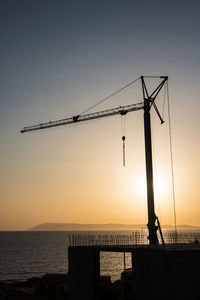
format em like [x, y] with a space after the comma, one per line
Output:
[123, 136]
[123, 139]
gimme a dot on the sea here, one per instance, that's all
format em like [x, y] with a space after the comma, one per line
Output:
[27, 254]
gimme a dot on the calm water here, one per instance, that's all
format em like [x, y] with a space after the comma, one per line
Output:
[27, 254]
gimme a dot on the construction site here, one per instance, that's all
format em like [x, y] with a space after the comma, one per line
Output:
[163, 267]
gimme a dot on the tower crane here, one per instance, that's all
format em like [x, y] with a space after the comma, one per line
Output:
[146, 105]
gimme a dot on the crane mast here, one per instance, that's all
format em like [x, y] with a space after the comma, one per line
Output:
[148, 102]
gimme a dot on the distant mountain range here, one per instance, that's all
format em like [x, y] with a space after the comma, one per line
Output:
[101, 227]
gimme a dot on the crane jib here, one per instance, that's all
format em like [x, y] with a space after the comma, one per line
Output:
[122, 110]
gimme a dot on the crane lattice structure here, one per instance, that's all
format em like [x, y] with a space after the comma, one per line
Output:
[148, 102]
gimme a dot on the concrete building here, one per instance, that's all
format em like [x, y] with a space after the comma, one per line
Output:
[159, 272]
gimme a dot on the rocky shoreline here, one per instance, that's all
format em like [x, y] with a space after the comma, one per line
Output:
[56, 287]
[50, 286]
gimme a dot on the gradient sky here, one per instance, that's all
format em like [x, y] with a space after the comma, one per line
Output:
[57, 58]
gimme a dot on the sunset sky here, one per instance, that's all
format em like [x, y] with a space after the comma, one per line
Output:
[57, 58]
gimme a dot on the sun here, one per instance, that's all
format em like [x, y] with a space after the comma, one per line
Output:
[159, 186]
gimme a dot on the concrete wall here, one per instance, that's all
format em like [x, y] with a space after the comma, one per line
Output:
[84, 273]
[157, 273]
[166, 274]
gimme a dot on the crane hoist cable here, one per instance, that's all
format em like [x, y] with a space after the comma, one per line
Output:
[123, 137]
[122, 115]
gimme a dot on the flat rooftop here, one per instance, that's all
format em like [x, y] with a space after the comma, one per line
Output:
[131, 248]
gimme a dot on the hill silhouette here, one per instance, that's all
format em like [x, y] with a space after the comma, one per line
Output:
[101, 227]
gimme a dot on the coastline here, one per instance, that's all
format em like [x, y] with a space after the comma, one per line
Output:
[56, 287]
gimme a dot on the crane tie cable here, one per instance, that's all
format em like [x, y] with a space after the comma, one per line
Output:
[172, 163]
[163, 108]
[111, 95]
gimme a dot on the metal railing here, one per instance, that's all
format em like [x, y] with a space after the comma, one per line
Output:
[136, 238]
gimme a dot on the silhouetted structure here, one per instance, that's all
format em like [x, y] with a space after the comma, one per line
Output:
[158, 272]
[148, 102]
